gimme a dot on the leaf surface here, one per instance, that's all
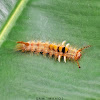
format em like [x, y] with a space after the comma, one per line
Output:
[25, 76]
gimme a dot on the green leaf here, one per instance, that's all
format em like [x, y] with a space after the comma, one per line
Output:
[5, 10]
[11, 20]
[30, 77]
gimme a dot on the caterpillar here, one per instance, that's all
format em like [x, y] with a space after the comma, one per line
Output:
[52, 49]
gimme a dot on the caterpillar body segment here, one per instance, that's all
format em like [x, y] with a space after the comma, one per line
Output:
[58, 50]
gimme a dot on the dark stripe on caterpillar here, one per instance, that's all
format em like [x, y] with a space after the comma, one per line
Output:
[63, 49]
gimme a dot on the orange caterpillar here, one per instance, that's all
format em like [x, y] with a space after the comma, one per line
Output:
[58, 50]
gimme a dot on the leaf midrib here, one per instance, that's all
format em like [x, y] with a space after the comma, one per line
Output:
[11, 20]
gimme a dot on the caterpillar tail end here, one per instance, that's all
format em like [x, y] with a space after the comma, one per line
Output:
[21, 42]
[19, 46]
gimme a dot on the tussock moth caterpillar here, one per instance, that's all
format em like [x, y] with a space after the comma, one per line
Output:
[58, 50]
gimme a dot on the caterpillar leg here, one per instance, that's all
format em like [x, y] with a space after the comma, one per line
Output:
[78, 64]
[50, 55]
[23, 50]
[37, 53]
[44, 54]
[56, 55]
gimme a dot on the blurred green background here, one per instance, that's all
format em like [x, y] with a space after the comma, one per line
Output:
[27, 77]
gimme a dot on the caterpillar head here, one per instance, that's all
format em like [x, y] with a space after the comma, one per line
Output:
[78, 54]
